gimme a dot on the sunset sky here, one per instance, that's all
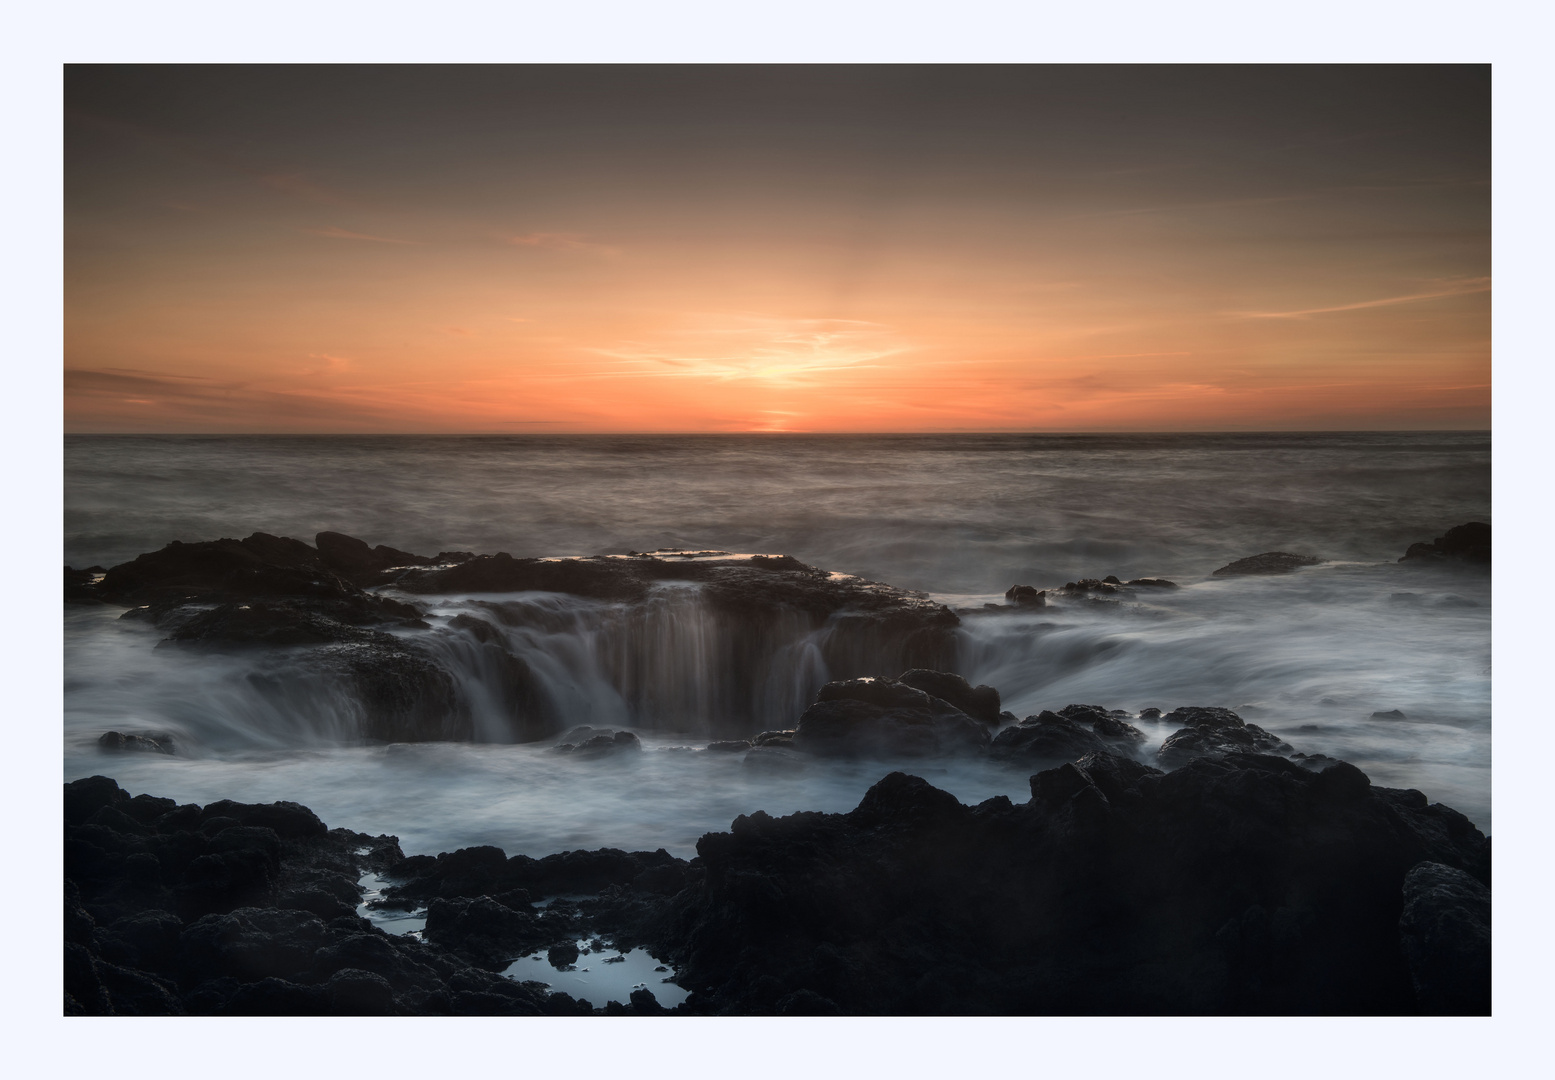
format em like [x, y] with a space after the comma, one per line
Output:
[772, 248]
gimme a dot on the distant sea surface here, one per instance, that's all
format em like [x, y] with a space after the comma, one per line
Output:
[1310, 655]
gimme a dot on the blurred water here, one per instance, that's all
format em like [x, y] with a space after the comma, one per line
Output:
[1310, 655]
[952, 513]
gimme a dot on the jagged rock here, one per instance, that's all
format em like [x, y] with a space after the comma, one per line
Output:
[267, 592]
[259, 565]
[980, 702]
[1026, 596]
[1239, 885]
[1091, 588]
[1270, 562]
[1213, 731]
[1071, 732]
[1391, 714]
[116, 741]
[562, 955]
[1108, 724]
[128, 951]
[488, 932]
[1468, 543]
[1046, 736]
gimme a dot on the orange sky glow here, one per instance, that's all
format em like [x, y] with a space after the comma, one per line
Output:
[577, 250]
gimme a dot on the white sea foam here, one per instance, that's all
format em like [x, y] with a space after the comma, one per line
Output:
[1309, 656]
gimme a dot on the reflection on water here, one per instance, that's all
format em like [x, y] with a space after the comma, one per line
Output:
[602, 974]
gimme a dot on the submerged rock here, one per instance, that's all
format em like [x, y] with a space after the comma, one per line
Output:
[605, 742]
[115, 741]
[1270, 562]
[1467, 543]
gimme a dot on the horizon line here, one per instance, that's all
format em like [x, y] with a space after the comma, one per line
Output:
[744, 434]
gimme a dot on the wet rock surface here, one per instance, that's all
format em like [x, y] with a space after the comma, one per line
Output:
[1270, 562]
[1467, 543]
[1064, 735]
[1212, 731]
[271, 595]
[874, 717]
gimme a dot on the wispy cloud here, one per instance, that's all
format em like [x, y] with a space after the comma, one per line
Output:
[554, 241]
[1463, 288]
[335, 232]
[329, 365]
[757, 347]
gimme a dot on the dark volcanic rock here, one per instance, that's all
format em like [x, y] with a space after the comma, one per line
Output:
[267, 593]
[1469, 543]
[1046, 736]
[1067, 734]
[1108, 588]
[354, 559]
[1270, 562]
[1241, 885]
[602, 743]
[259, 565]
[980, 702]
[872, 717]
[1213, 731]
[406, 695]
[486, 931]
[132, 865]
[562, 955]
[116, 741]
[1445, 932]
[601, 579]
[81, 586]
[1026, 596]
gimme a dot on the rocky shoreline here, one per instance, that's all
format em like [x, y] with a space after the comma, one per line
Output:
[1238, 884]
[1223, 872]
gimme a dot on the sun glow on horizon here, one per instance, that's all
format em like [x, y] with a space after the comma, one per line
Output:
[819, 254]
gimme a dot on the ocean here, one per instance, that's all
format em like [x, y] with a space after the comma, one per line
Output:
[1310, 656]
